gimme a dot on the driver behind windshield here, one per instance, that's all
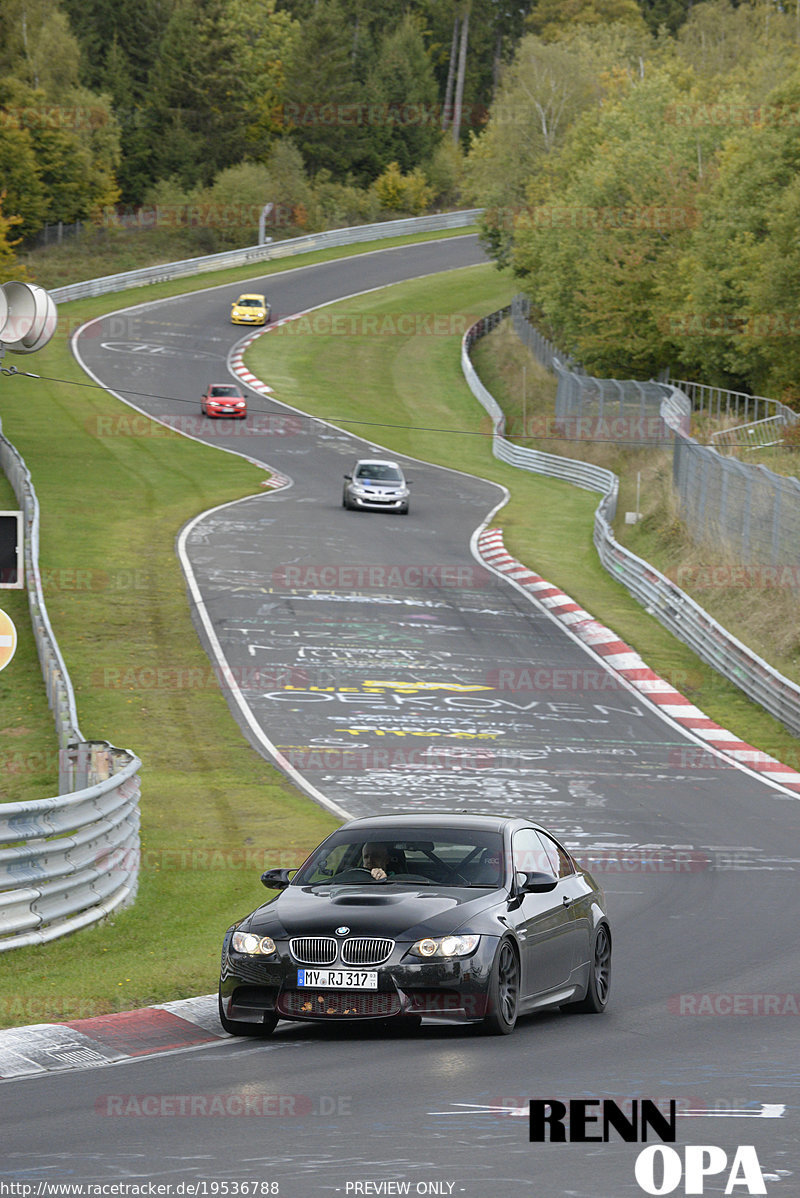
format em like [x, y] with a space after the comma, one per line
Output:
[375, 858]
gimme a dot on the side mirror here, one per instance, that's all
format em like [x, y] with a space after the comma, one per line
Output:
[535, 882]
[349, 477]
[276, 879]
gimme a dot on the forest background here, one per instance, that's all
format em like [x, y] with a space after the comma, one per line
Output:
[638, 161]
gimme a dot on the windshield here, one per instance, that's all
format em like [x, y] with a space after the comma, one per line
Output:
[224, 390]
[419, 856]
[251, 302]
[379, 472]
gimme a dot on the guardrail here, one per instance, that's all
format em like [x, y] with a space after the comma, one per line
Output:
[269, 252]
[66, 861]
[719, 402]
[671, 606]
[581, 474]
[758, 434]
[70, 861]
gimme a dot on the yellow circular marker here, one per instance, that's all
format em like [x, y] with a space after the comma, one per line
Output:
[8, 639]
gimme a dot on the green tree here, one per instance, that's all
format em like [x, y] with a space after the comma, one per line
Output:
[553, 19]
[402, 194]
[324, 102]
[606, 232]
[196, 124]
[665, 14]
[752, 46]
[119, 41]
[9, 267]
[541, 93]
[740, 272]
[401, 93]
[37, 46]
[24, 195]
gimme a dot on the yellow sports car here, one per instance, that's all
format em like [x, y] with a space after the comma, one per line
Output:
[250, 309]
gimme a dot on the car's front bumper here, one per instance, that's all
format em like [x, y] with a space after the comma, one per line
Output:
[453, 988]
[378, 503]
[215, 410]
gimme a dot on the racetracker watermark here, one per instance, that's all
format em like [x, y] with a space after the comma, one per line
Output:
[734, 1004]
[582, 216]
[532, 678]
[254, 679]
[211, 216]
[38, 761]
[727, 577]
[131, 424]
[407, 115]
[222, 1106]
[73, 118]
[61, 579]
[247, 859]
[732, 115]
[633, 429]
[349, 760]
[757, 325]
[647, 861]
[384, 324]
[400, 576]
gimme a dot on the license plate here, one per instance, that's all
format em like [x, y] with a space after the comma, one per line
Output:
[338, 979]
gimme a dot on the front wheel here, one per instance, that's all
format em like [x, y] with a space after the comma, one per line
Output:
[503, 993]
[597, 991]
[236, 1028]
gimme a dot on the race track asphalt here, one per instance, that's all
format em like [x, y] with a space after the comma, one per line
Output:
[400, 674]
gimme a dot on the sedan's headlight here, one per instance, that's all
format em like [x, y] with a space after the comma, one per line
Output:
[445, 946]
[246, 942]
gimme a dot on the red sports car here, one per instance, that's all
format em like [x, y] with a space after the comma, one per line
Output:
[223, 399]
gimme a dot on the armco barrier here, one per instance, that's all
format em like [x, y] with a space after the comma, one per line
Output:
[676, 610]
[270, 252]
[68, 861]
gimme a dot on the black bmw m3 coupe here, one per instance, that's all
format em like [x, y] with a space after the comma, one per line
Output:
[474, 918]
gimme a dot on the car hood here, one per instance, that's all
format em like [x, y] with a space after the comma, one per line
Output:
[399, 912]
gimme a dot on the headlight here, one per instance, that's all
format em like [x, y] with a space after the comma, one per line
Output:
[246, 942]
[445, 946]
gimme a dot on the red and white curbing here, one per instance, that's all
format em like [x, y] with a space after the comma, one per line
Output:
[44, 1048]
[626, 662]
[241, 371]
